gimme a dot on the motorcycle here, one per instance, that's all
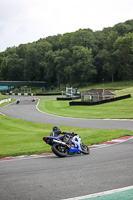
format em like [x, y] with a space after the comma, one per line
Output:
[69, 145]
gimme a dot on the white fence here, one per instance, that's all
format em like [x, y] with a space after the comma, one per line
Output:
[5, 100]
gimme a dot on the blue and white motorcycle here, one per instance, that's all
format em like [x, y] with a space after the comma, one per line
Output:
[69, 145]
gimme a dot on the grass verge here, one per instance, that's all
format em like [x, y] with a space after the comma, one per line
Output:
[5, 97]
[20, 137]
[122, 109]
[102, 85]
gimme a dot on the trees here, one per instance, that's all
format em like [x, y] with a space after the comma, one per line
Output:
[11, 66]
[50, 75]
[82, 68]
[109, 64]
[124, 56]
[31, 67]
[73, 58]
[62, 61]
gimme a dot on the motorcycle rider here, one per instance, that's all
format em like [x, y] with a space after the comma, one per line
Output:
[66, 135]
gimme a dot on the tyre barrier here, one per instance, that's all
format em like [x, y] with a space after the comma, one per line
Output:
[85, 103]
[19, 94]
[48, 94]
[32, 94]
[67, 98]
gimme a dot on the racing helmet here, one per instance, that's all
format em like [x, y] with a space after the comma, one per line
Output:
[56, 129]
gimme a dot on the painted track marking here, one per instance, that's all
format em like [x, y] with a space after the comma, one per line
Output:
[101, 193]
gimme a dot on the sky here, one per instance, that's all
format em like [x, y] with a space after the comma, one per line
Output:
[26, 21]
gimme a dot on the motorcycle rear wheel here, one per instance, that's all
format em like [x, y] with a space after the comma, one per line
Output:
[59, 150]
[85, 149]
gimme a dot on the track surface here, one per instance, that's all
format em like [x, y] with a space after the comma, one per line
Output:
[26, 110]
[53, 178]
[59, 178]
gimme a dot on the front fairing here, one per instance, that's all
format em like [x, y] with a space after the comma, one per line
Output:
[76, 146]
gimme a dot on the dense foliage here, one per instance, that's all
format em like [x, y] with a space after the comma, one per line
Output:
[73, 58]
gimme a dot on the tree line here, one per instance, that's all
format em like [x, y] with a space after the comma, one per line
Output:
[75, 58]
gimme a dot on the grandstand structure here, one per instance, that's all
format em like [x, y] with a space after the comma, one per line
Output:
[8, 86]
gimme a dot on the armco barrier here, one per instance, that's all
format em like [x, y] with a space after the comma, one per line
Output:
[84, 103]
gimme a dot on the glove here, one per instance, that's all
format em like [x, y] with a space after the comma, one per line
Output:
[73, 134]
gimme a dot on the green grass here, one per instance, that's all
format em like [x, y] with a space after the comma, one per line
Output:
[105, 85]
[3, 97]
[20, 137]
[122, 109]
[114, 85]
[124, 91]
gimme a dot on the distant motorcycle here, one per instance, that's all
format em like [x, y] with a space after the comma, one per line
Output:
[18, 101]
[69, 145]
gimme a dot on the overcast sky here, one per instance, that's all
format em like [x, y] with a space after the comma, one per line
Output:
[23, 21]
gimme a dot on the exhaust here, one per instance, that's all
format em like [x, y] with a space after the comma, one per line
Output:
[60, 142]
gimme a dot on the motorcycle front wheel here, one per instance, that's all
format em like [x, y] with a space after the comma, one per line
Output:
[85, 149]
[59, 150]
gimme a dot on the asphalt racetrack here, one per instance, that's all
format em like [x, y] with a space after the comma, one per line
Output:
[53, 178]
[27, 110]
